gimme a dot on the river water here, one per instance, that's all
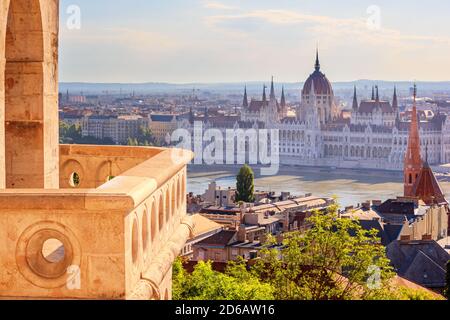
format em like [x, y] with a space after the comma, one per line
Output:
[349, 186]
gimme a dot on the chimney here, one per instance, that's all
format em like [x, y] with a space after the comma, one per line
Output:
[427, 237]
[377, 202]
[367, 205]
[243, 208]
[405, 238]
[242, 234]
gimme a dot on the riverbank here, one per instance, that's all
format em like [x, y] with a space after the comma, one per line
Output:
[349, 186]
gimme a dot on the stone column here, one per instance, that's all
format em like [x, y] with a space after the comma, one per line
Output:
[3, 20]
[31, 95]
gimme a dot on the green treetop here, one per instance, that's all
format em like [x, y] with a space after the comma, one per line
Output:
[335, 259]
[245, 185]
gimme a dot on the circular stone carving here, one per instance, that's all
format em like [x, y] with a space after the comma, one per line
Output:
[39, 264]
[39, 269]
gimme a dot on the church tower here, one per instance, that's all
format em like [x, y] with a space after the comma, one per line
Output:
[272, 110]
[323, 91]
[413, 161]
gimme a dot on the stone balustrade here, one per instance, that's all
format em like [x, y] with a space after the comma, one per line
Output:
[111, 231]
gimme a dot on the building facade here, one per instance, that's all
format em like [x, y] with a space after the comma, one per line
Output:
[162, 126]
[375, 136]
[116, 128]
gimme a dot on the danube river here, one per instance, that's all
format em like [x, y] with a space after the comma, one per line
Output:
[349, 186]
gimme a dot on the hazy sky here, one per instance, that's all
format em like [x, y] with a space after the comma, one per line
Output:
[229, 40]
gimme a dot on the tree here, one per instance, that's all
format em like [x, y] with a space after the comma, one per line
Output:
[245, 185]
[447, 282]
[69, 133]
[336, 259]
[410, 294]
[206, 284]
[132, 142]
[145, 136]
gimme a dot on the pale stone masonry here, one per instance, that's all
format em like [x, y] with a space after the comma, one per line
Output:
[76, 222]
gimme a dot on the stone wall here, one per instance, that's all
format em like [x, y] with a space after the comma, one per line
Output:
[110, 240]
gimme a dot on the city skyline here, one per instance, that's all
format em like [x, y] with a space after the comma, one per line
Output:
[228, 41]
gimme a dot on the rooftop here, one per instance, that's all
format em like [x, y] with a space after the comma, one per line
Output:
[203, 225]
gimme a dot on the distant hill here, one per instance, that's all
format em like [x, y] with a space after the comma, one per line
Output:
[253, 87]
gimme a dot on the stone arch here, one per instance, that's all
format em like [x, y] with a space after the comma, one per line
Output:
[179, 194]
[135, 240]
[28, 87]
[146, 230]
[183, 186]
[174, 203]
[153, 219]
[161, 211]
[167, 204]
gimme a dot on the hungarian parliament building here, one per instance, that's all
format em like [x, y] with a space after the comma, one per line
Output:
[374, 136]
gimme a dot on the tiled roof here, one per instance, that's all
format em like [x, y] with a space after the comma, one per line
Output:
[427, 187]
[422, 262]
[372, 105]
[162, 117]
[203, 225]
[222, 238]
[256, 105]
[392, 206]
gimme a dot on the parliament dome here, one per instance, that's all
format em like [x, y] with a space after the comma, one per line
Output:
[322, 86]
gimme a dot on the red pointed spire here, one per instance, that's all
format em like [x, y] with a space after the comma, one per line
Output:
[413, 160]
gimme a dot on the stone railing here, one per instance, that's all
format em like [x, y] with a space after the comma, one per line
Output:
[112, 231]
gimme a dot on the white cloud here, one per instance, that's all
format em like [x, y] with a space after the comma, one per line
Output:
[328, 26]
[218, 6]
